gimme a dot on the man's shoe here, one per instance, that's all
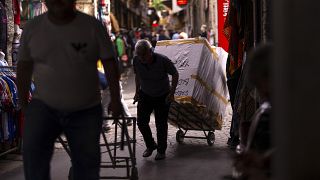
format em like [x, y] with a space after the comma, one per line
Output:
[160, 156]
[233, 142]
[148, 152]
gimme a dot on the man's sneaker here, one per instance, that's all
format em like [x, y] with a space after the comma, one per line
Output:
[160, 156]
[148, 151]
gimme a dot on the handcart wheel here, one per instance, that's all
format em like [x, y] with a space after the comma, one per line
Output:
[179, 136]
[70, 175]
[211, 138]
[134, 174]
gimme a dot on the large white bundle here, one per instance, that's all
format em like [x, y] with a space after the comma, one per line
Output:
[202, 87]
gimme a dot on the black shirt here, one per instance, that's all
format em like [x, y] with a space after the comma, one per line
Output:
[154, 80]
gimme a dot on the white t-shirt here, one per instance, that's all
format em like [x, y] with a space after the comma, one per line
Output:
[65, 60]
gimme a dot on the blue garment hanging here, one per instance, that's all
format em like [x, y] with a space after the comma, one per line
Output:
[103, 80]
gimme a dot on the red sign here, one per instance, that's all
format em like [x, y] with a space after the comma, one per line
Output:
[182, 2]
[223, 7]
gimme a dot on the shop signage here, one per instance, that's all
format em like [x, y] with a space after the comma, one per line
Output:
[84, 1]
[223, 7]
[182, 2]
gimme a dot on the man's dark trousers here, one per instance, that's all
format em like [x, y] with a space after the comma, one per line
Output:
[146, 105]
[42, 127]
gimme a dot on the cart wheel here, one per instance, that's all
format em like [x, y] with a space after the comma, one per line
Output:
[211, 138]
[179, 136]
[70, 175]
[134, 173]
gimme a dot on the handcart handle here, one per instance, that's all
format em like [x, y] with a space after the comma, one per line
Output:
[123, 126]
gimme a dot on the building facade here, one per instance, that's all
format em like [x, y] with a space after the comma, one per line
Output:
[201, 12]
[130, 13]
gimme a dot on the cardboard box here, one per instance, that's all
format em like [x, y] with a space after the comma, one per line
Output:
[202, 88]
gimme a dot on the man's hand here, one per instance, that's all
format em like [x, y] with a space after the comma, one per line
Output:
[136, 98]
[116, 108]
[170, 98]
[174, 83]
[24, 74]
[113, 78]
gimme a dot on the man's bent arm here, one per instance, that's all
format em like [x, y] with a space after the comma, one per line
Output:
[137, 81]
[113, 77]
[136, 96]
[24, 75]
[174, 83]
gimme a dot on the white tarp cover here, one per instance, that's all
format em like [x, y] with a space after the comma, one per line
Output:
[202, 87]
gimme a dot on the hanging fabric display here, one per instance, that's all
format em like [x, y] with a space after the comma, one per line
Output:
[10, 29]
[10, 116]
[17, 32]
[16, 12]
[238, 29]
[31, 8]
[3, 28]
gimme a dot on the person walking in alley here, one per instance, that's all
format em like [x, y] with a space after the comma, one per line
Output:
[204, 32]
[60, 50]
[254, 160]
[162, 34]
[153, 93]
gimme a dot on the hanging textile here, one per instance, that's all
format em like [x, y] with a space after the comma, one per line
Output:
[30, 9]
[15, 48]
[3, 28]
[10, 29]
[239, 31]
[8, 108]
[11, 117]
[247, 93]
[16, 12]
[234, 35]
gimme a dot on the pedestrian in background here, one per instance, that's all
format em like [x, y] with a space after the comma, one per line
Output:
[204, 31]
[153, 93]
[60, 51]
[183, 35]
[176, 35]
[162, 34]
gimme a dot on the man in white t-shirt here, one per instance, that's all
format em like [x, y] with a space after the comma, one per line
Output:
[60, 49]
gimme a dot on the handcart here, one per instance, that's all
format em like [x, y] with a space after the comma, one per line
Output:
[187, 119]
[120, 150]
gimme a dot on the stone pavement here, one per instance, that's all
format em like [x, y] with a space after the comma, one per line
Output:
[191, 160]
